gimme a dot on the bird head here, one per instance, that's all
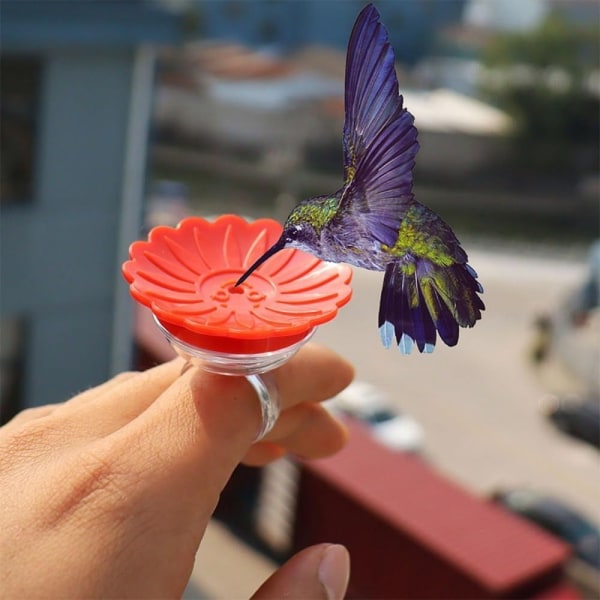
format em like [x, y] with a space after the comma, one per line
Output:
[296, 234]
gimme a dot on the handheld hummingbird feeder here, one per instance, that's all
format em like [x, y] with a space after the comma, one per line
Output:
[233, 289]
[187, 277]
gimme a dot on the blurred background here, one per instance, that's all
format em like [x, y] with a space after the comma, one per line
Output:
[118, 116]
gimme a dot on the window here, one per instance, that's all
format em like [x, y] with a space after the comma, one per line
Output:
[12, 366]
[19, 93]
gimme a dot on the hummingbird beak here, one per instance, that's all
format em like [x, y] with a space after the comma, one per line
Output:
[276, 247]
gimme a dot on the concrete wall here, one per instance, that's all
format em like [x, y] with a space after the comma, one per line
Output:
[60, 263]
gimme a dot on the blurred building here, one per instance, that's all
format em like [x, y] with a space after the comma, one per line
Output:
[290, 25]
[288, 113]
[77, 81]
[230, 96]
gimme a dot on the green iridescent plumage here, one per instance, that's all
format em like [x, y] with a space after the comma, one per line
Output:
[318, 212]
[419, 237]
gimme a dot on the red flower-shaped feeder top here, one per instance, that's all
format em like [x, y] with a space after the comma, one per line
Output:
[187, 276]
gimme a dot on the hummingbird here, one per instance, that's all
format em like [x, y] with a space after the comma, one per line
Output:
[374, 221]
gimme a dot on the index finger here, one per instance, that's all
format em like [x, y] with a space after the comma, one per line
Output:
[202, 425]
[227, 407]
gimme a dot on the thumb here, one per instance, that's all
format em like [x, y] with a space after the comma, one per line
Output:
[317, 572]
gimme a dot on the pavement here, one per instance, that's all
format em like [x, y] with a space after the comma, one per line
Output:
[226, 568]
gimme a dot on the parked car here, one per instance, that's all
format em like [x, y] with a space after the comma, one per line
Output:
[581, 419]
[365, 402]
[558, 518]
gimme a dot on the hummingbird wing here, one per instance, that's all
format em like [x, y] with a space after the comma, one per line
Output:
[380, 140]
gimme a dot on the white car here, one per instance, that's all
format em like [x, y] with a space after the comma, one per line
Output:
[365, 402]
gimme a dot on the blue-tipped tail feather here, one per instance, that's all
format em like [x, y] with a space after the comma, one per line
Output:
[421, 300]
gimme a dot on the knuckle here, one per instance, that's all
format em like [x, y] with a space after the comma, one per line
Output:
[31, 413]
[97, 485]
[124, 376]
[30, 440]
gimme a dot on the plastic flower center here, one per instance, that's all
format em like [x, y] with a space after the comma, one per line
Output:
[220, 288]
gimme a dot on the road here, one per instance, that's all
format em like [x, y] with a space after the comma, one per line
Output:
[480, 403]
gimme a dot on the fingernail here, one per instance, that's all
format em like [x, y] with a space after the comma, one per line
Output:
[334, 571]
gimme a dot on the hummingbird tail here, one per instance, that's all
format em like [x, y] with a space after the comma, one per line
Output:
[420, 300]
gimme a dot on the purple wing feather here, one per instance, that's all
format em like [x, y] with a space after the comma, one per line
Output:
[380, 140]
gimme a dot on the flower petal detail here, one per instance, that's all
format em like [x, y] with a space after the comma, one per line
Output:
[307, 299]
[308, 282]
[244, 319]
[276, 264]
[301, 264]
[184, 256]
[257, 248]
[231, 249]
[186, 276]
[171, 267]
[162, 281]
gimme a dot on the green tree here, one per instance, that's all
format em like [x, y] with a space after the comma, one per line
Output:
[544, 80]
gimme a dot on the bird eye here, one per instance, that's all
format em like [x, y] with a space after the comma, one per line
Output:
[293, 233]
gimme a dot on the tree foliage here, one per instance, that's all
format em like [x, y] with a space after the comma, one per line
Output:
[548, 81]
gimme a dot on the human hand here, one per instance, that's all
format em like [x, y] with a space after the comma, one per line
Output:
[109, 493]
